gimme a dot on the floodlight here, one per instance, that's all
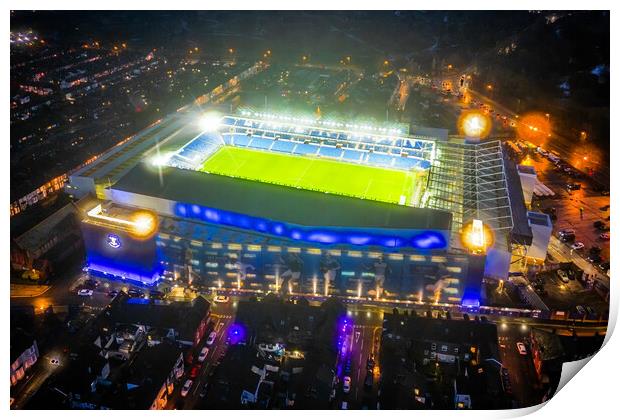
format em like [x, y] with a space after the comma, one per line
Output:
[210, 122]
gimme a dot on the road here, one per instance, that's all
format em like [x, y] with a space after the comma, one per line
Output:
[222, 315]
[365, 341]
[526, 388]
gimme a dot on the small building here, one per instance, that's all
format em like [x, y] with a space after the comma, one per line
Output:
[541, 226]
[527, 175]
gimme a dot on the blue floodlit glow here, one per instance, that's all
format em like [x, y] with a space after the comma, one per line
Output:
[422, 240]
[471, 297]
[237, 334]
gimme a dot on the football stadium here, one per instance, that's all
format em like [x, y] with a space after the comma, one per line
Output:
[261, 202]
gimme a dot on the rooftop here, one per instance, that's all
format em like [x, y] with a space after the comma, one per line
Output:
[276, 202]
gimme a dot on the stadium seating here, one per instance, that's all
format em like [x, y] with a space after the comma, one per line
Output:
[283, 146]
[351, 155]
[260, 143]
[379, 159]
[330, 152]
[376, 150]
[238, 140]
[306, 149]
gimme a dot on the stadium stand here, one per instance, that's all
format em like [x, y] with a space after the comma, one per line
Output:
[329, 151]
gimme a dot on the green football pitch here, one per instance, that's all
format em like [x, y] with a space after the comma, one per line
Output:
[316, 174]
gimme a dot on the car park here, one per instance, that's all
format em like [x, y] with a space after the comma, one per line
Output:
[522, 349]
[203, 354]
[186, 387]
[211, 338]
[85, 292]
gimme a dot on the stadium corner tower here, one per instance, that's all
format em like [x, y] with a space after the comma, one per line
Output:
[267, 203]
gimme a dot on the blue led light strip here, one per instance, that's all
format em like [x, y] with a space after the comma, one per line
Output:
[422, 240]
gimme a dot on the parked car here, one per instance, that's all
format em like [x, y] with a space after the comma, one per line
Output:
[522, 349]
[156, 294]
[135, 293]
[370, 363]
[203, 354]
[269, 348]
[604, 208]
[577, 246]
[568, 237]
[221, 299]
[347, 367]
[595, 258]
[562, 275]
[85, 292]
[346, 384]
[193, 373]
[211, 338]
[369, 380]
[580, 310]
[204, 389]
[572, 186]
[186, 387]
[112, 293]
[604, 236]
[604, 266]
[599, 224]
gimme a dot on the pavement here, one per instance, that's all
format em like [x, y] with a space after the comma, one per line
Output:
[28, 290]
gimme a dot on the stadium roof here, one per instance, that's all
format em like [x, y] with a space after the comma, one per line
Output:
[274, 202]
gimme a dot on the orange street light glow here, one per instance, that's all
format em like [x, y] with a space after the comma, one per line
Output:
[144, 224]
[534, 127]
[476, 236]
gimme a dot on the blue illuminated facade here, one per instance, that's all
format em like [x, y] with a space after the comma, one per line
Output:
[214, 248]
[112, 252]
[416, 239]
